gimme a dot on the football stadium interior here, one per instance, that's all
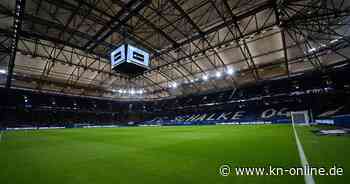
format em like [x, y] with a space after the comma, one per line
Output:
[174, 91]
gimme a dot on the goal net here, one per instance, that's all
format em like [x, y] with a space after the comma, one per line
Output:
[300, 117]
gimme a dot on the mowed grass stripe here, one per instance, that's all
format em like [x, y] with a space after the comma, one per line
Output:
[325, 152]
[147, 154]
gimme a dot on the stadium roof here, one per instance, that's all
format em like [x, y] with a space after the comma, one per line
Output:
[196, 46]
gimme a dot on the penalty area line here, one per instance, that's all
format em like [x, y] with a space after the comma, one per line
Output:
[307, 178]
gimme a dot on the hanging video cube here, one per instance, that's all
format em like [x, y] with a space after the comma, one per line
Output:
[129, 60]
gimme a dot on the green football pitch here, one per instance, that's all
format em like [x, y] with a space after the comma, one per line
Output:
[169, 155]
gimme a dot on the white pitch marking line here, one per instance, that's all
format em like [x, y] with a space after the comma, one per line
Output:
[307, 178]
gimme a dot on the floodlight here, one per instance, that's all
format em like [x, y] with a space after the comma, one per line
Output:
[218, 74]
[174, 85]
[3, 71]
[230, 71]
[205, 77]
[312, 50]
[335, 40]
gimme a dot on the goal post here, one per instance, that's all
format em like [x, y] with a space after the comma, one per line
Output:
[300, 117]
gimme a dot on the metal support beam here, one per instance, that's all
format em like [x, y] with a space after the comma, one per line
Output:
[17, 27]
[245, 50]
[38, 20]
[121, 22]
[283, 36]
[258, 8]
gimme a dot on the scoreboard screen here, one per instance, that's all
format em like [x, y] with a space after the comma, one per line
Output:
[118, 56]
[137, 56]
[130, 54]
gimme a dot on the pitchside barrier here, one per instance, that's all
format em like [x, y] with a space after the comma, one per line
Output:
[242, 121]
[56, 127]
[340, 120]
[169, 123]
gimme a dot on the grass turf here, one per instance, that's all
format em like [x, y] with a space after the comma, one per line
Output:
[163, 154]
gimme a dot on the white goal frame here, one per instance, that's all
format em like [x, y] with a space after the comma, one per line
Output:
[305, 114]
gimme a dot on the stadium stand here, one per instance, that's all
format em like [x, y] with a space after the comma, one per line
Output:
[265, 103]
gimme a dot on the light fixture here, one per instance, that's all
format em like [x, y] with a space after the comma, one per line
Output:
[333, 41]
[275, 27]
[218, 74]
[312, 50]
[174, 85]
[3, 71]
[229, 71]
[205, 77]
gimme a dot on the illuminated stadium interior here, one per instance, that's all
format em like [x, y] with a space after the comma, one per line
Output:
[128, 85]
